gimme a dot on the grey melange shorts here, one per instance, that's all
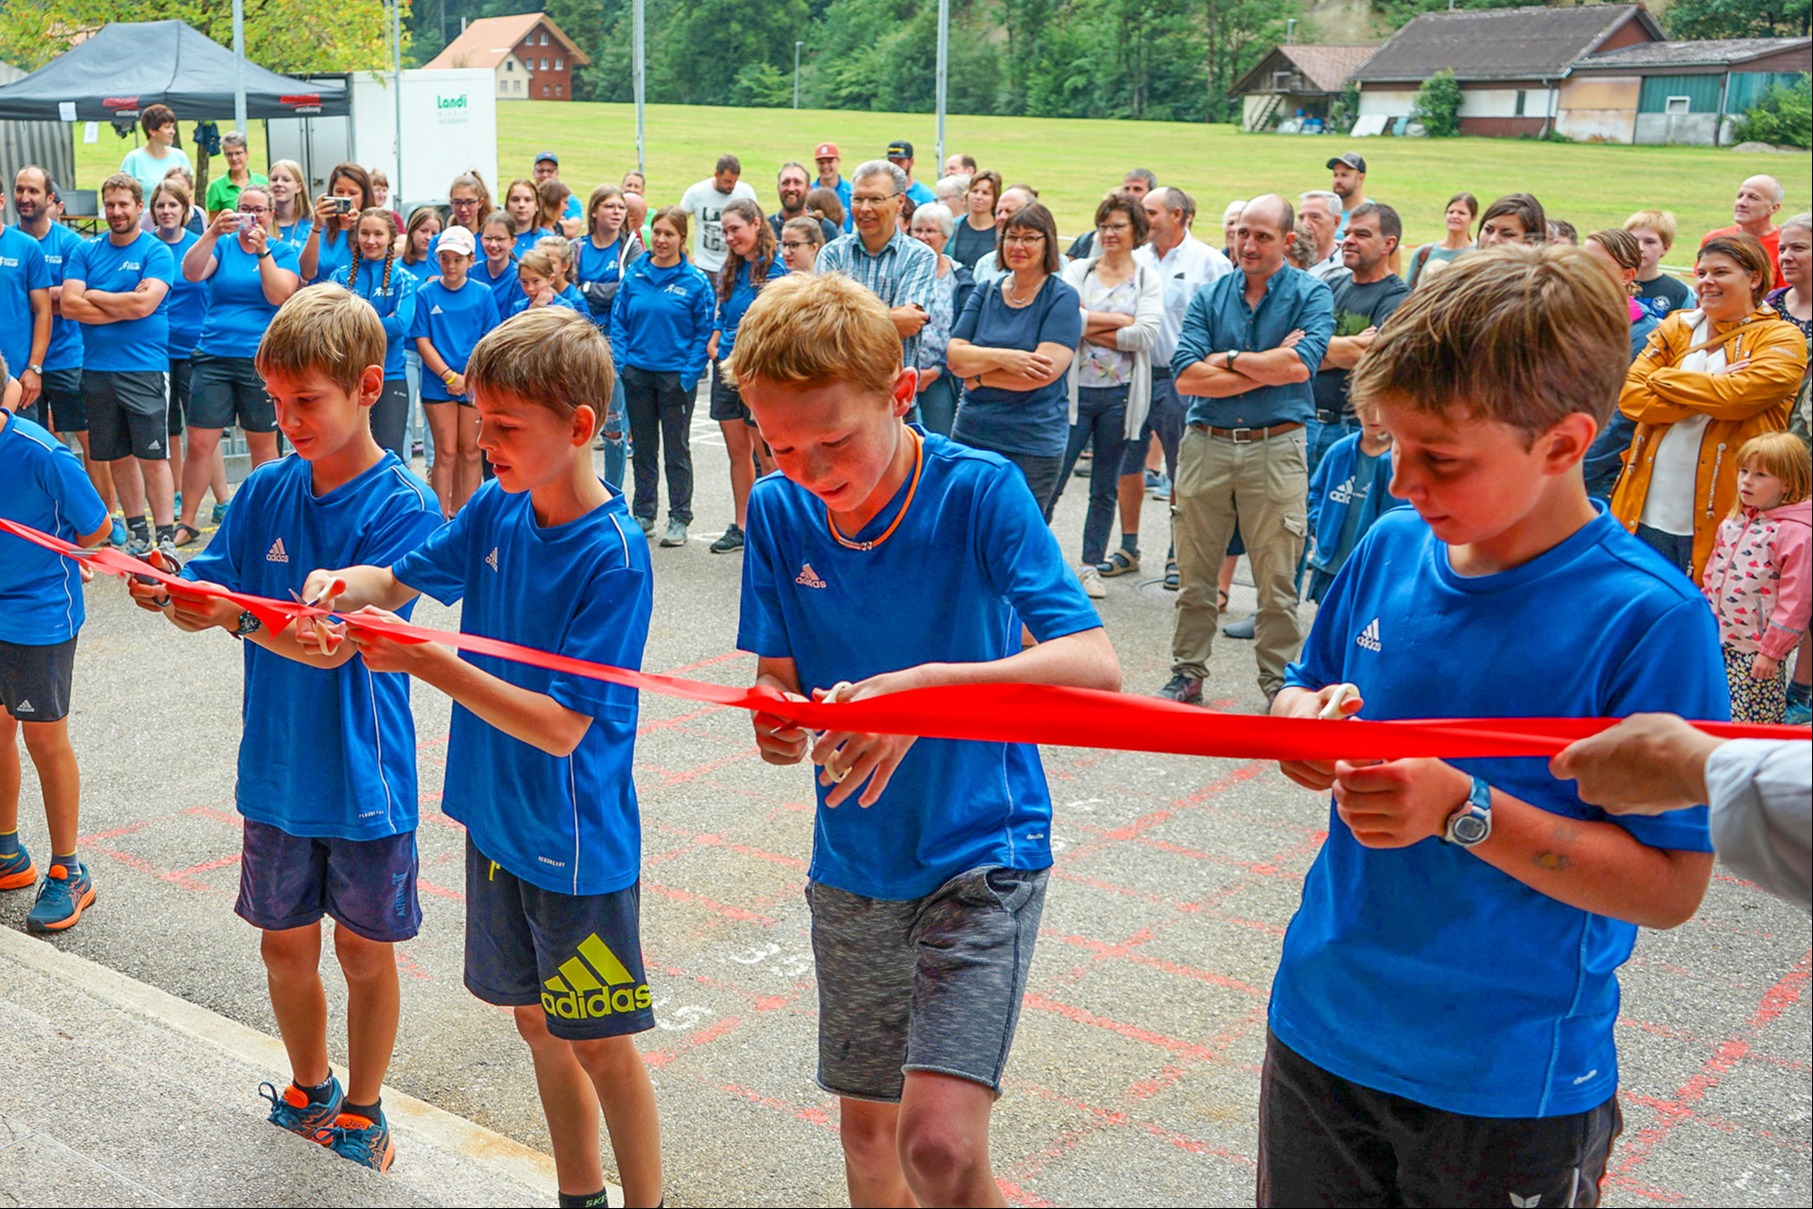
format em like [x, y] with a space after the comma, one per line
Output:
[930, 984]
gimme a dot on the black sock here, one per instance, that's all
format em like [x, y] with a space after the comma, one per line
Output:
[140, 527]
[371, 1112]
[166, 533]
[1799, 693]
[320, 1094]
[582, 1200]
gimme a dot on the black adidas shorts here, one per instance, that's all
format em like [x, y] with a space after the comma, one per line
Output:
[577, 955]
[35, 680]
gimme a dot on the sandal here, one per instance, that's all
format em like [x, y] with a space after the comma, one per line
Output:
[1121, 562]
[185, 535]
[1172, 582]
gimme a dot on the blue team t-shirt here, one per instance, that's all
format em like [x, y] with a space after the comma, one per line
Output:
[296, 232]
[42, 484]
[22, 270]
[421, 270]
[528, 239]
[455, 321]
[333, 252]
[600, 266]
[129, 345]
[65, 349]
[505, 286]
[973, 552]
[1032, 422]
[326, 752]
[732, 309]
[583, 589]
[560, 301]
[393, 297]
[238, 312]
[188, 306]
[1424, 971]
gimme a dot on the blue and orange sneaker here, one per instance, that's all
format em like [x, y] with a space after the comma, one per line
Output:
[16, 870]
[291, 1109]
[61, 899]
[364, 1141]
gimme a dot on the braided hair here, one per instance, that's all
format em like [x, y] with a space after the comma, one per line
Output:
[377, 214]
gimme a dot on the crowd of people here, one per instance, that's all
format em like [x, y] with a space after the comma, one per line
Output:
[1447, 448]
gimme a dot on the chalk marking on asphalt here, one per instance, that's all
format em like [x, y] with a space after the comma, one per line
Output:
[412, 1119]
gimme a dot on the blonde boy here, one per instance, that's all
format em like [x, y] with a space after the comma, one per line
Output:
[1659, 292]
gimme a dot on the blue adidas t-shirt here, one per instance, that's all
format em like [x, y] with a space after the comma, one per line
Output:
[128, 345]
[1032, 422]
[560, 301]
[581, 589]
[392, 295]
[325, 752]
[42, 484]
[421, 270]
[65, 351]
[732, 309]
[455, 321]
[528, 239]
[505, 286]
[238, 311]
[973, 552]
[188, 306]
[22, 270]
[1424, 971]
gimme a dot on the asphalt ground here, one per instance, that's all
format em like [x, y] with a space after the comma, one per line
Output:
[1134, 1078]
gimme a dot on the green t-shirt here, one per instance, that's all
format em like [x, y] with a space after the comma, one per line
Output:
[223, 194]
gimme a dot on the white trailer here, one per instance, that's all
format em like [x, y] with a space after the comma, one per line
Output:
[449, 126]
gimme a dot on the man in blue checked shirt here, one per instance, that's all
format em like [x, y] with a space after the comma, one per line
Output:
[896, 269]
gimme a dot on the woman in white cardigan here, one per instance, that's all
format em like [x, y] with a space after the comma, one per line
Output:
[1111, 374]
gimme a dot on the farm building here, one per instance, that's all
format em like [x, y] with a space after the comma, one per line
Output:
[530, 55]
[1296, 82]
[1677, 92]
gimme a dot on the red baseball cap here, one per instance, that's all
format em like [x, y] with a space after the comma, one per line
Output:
[826, 151]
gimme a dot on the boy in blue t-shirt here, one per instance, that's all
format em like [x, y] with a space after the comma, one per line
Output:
[327, 776]
[925, 901]
[1350, 489]
[539, 762]
[41, 609]
[1442, 1016]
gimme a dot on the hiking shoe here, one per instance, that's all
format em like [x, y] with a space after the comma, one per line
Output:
[291, 1109]
[120, 534]
[1121, 562]
[1186, 690]
[140, 545]
[676, 532]
[17, 871]
[732, 540]
[62, 898]
[1799, 713]
[648, 525]
[219, 514]
[363, 1141]
[1241, 629]
[1091, 579]
[1157, 485]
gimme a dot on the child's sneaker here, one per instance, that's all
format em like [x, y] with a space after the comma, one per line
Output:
[294, 1111]
[1799, 714]
[118, 536]
[364, 1141]
[17, 871]
[61, 899]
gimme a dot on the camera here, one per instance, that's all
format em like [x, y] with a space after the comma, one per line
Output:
[341, 205]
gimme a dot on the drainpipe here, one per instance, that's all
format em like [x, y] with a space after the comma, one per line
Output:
[1549, 101]
[1718, 123]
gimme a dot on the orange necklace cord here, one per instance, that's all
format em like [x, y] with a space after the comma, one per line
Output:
[912, 490]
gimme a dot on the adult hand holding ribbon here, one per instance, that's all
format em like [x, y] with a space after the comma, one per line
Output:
[1003, 713]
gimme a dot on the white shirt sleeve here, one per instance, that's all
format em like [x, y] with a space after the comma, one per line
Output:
[1762, 814]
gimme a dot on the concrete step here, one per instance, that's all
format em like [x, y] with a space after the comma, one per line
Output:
[114, 1092]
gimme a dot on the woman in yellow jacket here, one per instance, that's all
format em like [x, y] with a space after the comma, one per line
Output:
[1709, 380]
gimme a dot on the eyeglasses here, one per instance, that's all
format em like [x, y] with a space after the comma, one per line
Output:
[460, 203]
[791, 245]
[872, 202]
[254, 209]
[1023, 241]
[1121, 227]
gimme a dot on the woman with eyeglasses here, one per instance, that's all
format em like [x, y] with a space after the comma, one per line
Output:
[249, 273]
[802, 239]
[950, 290]
[329, 246]
[1012, 347]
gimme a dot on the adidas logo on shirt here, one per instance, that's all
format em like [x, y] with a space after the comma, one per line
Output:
[808, 578]
[491, 558]
[1369, 637]
[1342, 494]
[25, 707]
[277, 553]
[592, 984]
[436, 310]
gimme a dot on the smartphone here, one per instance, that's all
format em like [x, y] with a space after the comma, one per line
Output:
[247, 221]
[341, 205]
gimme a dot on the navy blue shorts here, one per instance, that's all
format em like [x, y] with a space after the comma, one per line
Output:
[291, 881]
[577, 955]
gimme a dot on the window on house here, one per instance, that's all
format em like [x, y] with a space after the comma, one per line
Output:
[556, 90]
[1678, 105]
[509, 64]
[1282, 80]
[544, 90]
[544, 37]
[1521, 94]
[519, 85]
[544, 64]
[560, 64]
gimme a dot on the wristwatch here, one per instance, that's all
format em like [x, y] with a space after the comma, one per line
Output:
[1472, 823]
[36, 369]
[1232, 353]
[248, 625]
[264, 255]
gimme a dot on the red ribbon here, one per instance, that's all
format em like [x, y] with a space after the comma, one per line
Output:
[1004, 713]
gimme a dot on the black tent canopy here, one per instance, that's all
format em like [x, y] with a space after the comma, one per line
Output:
[128, 65]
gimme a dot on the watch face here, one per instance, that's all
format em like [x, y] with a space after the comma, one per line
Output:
[1470, 829]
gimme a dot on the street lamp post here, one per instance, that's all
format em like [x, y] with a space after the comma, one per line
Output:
[638, 72]
[796, 47]
[396, 86]
[944, 69]
[239, 66]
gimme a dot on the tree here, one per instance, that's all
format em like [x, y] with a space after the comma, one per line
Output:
[1438, 105]
[1783, 116]
[1696, 19]
[292, 36]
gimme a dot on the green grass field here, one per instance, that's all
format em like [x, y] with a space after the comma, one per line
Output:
[1072, 162]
